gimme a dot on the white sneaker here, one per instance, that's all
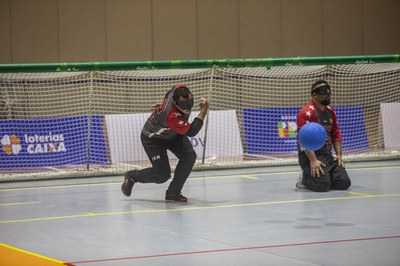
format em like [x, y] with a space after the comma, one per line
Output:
[299, 183]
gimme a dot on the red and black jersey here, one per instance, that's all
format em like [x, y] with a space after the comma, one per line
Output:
[327, 118]
[166, 121]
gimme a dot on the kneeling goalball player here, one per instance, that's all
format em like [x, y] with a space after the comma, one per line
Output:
[321, 171]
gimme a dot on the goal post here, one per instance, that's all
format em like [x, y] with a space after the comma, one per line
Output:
[85, 119]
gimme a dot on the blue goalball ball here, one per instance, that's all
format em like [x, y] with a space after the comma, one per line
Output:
[312, 136]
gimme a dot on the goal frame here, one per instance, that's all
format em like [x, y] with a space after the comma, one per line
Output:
[267, 63]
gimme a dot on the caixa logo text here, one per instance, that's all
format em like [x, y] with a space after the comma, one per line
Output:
[11, 144]
[45, 143]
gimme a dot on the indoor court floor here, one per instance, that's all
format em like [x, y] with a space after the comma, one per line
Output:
[251, 216]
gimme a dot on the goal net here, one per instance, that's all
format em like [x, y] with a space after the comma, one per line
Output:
[86, 119]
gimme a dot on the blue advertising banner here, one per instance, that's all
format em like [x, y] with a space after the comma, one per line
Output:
[51, 142]
[274, 130]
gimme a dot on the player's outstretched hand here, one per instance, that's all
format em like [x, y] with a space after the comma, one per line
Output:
[317, 168]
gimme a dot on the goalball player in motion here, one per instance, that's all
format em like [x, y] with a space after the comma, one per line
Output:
[167, 128]
[321, 171]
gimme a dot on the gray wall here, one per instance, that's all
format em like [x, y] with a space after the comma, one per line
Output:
[125, 30]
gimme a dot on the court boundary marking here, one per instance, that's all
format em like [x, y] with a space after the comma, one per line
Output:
[19, 203]
[35, 255]
[237, 249]
[92, 214]
[245, 176]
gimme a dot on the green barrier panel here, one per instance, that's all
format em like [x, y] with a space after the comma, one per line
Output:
[192, 64]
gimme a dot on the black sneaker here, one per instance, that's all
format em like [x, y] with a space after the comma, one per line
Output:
[129, 181]
[175, 197]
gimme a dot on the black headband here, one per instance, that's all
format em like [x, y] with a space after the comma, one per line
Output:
[322, 88]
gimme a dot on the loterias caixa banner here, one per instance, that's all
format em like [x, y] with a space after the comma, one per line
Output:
[51, 142]
[274, 130]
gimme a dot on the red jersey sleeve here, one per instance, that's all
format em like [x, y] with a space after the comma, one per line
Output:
[177, 122]
[306, 114]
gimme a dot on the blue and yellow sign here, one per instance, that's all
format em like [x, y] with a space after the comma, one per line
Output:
[51, 142]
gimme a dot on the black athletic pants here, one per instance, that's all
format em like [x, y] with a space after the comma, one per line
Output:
[160, 171]
[335, 177]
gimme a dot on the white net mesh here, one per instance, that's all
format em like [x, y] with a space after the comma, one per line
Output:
[88, 123]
